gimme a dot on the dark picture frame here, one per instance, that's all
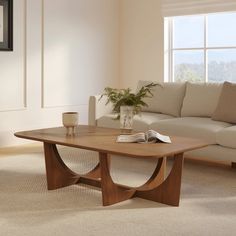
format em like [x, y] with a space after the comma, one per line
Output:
[6, 25]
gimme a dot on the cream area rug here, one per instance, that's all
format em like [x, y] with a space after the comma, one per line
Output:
[207, 207]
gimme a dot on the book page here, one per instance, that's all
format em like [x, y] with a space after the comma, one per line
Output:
[131, 138]
[163, 138]
[152, 135]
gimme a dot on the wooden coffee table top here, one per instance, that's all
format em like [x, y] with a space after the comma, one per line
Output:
[104, 140]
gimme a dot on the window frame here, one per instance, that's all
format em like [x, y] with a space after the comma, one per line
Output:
[169, 49]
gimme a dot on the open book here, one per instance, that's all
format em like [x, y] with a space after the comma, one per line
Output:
[151, 136]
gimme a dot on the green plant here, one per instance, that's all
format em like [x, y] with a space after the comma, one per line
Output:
[124, 97]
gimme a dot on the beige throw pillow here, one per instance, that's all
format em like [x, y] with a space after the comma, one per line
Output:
[226, 108]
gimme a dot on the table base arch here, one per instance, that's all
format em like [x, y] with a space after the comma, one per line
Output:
[157, 188]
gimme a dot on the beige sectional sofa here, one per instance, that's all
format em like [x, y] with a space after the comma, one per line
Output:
[183, 109]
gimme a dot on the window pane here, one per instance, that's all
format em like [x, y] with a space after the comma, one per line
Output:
[222, 30]
[189, 66]
[222, 65]
[188, 31]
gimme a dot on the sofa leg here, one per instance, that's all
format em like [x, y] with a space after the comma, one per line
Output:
[233, 165]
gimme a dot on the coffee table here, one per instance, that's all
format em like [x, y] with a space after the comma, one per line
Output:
[103, 140]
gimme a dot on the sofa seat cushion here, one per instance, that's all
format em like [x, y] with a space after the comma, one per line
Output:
[194, 127]
[141, 121]
[167, 98]
[227, 137]
[216, 153]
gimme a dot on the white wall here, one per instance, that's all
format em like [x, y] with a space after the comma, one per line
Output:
[64, 51]
[141, 42]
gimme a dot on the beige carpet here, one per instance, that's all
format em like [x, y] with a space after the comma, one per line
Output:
[208, 200]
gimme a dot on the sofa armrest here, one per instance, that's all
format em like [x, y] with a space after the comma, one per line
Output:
[97, 108]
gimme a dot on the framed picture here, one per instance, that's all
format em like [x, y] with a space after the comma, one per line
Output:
[6, 25]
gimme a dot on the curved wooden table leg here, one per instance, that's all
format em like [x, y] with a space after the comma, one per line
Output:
[95, 173]
[59, 175]
[169, 191]
[157, 177]
[111, 192]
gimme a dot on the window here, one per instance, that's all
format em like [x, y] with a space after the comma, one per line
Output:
[200, 48]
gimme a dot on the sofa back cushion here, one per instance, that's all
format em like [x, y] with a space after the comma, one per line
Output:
[226, 108]
[167, 98]
[201, 99]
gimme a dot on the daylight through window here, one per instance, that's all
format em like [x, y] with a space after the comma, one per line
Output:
[201, 48]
